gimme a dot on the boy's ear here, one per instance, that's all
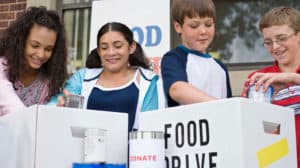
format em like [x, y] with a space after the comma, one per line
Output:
[177, 27]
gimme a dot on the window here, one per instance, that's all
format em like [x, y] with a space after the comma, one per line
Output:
[76, 15]
[237, 43]
[237, 39]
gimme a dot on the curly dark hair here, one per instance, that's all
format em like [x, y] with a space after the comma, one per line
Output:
[13, 41]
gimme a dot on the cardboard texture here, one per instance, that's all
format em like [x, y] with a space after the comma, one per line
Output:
[225, 133]
[43, 136]
[235, 132]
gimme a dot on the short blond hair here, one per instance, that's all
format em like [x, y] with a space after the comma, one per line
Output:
[281, 16]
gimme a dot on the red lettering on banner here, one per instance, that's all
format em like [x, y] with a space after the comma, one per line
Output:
[154, 158]
[143, 158]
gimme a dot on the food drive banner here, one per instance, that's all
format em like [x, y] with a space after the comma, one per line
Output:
[148, 19]
[234, 132]
[188, 136]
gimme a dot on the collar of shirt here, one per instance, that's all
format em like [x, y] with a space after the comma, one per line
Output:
[200, 54]
[278, 69]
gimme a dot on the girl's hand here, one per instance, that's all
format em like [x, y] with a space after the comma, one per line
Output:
[61, 99]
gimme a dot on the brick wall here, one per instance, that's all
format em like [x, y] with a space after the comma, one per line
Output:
[9, 11]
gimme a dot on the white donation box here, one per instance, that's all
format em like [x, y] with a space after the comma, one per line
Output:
[48, 136]
[229, 133]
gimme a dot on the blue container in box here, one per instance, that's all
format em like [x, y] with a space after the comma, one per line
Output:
[98, 165]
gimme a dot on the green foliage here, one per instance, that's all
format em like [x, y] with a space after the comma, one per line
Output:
[240, 19]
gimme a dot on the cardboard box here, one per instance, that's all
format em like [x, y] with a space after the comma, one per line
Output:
[48, 136]
[237, 133]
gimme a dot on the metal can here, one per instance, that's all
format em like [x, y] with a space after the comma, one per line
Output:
[146, 149]
[260, 95]
[74, 101]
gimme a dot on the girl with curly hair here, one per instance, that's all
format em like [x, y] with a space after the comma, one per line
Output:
[33, 58]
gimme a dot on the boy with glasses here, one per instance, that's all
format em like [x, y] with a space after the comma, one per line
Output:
[280, 28]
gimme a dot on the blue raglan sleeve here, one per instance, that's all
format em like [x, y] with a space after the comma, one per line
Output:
[173, 69]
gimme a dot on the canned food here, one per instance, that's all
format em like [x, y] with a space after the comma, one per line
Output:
[74, 101]
[146, 149]
[260, 95]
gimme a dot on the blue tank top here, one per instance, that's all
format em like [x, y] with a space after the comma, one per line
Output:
[120, 99]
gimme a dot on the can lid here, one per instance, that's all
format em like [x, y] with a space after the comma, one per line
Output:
[146, 135]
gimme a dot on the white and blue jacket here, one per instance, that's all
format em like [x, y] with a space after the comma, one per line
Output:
[151, 95]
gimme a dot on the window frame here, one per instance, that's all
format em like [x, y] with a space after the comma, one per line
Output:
[61, 7]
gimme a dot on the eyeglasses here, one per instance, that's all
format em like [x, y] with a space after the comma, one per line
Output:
[281, 39]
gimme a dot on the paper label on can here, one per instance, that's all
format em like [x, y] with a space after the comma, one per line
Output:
[146, 153]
